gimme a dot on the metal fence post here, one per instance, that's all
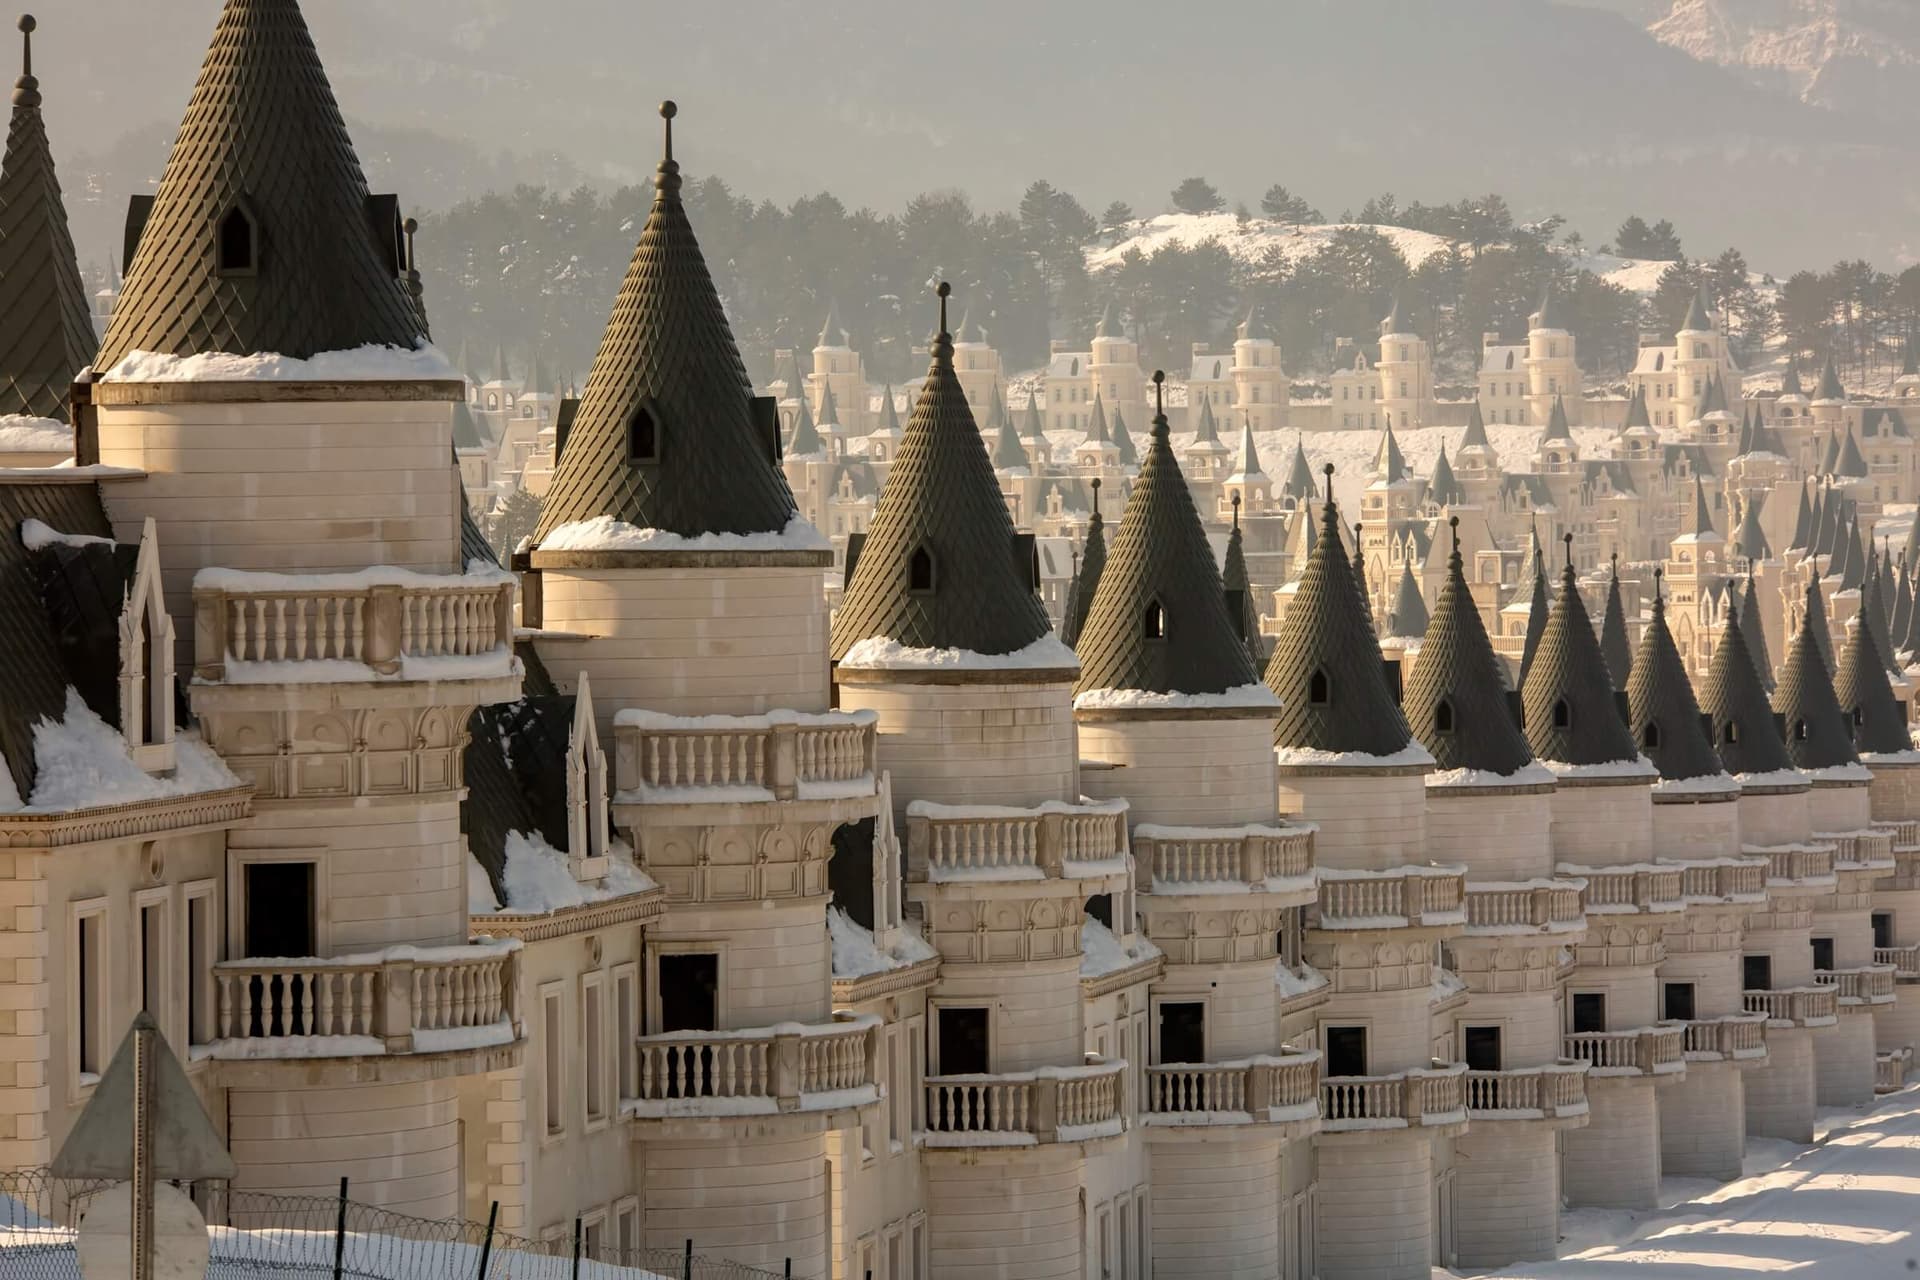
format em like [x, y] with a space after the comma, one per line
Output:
[340, 1233]
[576, 1247]
[686, 1263]
[486, 1245]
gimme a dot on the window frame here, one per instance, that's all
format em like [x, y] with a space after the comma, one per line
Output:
[98, 979]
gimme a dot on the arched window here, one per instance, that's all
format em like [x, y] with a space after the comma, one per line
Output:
[1153, 625]
[1650, 736]
[237, 248]
[1443, 716]
[920, 572]
[1562, 715]
[643, 437]
[1319, 690]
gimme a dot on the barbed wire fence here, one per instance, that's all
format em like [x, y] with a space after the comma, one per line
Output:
[256, 1236]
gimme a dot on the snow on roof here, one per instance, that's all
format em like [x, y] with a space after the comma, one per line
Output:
[538, 881]
[1102, 954]
[605, 533]
[21, 434]
[857, 955]
[82, 762]
[361, 364]
[1248, 695]
[881, 652]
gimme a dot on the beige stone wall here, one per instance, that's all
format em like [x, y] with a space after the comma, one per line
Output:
[1614, 1163]
[879, 1183]
[1495, 836]
[1629, 989]
[1183, 772]
[1840, 808]
[705, 641]
[1035, 1009]
[1511, 987]
[776, 963]
[1240, 1004]
[1896, 791]
[1788, 946]
[1602, 826]
[1780, 1097]
[1399, 1030]
[1216, 1208]
[1703, 1122]
[754, 1200]
[1843, 1067]
[1687, 832]
[1775, 819]
[1715, 976]
[1007, 744]
[1506, 1193]
[1375, 1206]
[398, 1144]
[1005, 1218]
[1368, 821]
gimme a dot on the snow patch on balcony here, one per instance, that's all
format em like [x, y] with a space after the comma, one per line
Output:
[857, 955]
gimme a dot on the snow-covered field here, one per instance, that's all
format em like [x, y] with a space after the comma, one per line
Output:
[1847, 1208]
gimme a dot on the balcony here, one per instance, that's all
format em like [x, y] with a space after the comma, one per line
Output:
[1857, 988]
[1795, 1006]
[378, 624]
[1529, 907]
[1026, 1108]
[1403, 898]
[950, 843]
[783, 755]
[1724, 881]
[1797, 868]
[1904, 961]
[1645, 1051]
[1906, 870]
[400, 1003]
[1904, 832]
[1640, 889]
[760, 1071]
[1263, 1090]
[1890, 1068]
[1554, 1092]
[1417, 1099]
[1200, 861]
[1869, 850]
[1740, 1037]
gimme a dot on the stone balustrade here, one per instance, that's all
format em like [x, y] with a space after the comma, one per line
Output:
[1795, 1006]
[1644, 1051]
[1252, 1091]
[1739, 1037]
[1890, 1068]
[1630, 890]
[1797, 866]
[1906, 870]
[1026, 1108]
[783, 755]
[1724, 881]
[1552, 1092]
[1904, 961]
[400, 1001]
[1854, 850]
[1866, 985]
[376, 619]
[1904, 832]
[761, 1070]
[1408, 1099]
[1195, 860]
[1406, 897]
[1536, 906]
[1051, 841]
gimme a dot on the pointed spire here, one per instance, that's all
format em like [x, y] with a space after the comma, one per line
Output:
[966, 332]
[1389, 465]
[1360, 575]
[1233, 575]
[1205, 429]
[1097, 423]
[1033, 427]
[1909, 641]
[1753, 629]
[1398, 320]
[1299, 485]
[1830, 391]
[665, 436]
[1456, 700]
[1745, 446]
[1637, 417]
[1802, 522]
[1249, 463]
[1831, 458]
[1735, 698]
[1549, 314]
[1872, 618]
[1661, 709]
[1615, 648]
[832, 333]
[1250, 329]
[1008, 453]
[1444, 489]
[997, 415]
[1765, 438]
[1159, 620]
[1557, 428]
[1570, 713]
[46, 329]
[1123, 440]
[937, 570]
[1750, 537]
[1790, 384]
[889, 416]
[806, 442]
[1874, 715]
[1699, 522]
[1086, 575]
[1899, 614]
[1816, 732]
[1408, 614]
[1851, 465]
[829, 407]
[1697, 320]
[1107, 328]
[1852, 557]
[1326, 665]
[1476, 437]
[1537, 610]
[1816, 621]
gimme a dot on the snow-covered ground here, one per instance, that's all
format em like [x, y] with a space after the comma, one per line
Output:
[1847, 1208]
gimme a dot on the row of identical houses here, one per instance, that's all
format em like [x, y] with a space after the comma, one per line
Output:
[629, 883]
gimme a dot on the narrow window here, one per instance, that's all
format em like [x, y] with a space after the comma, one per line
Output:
[1562, 715]
[920, 571]
[963, 1041]
[625, 1029]
[643, 437]
[1154, 625]
[1730, 734]
[1319, 694]
[153, 962]
[1650, 736]
[1799, 730]
[689, 992]
[1183, 1031]
[1756, 973]
[1589, 1012]
[593, 1046]
[199, 967]
[90, 993]
[1346, 1050]
[1822, 953]
[1443, 716]
[237, 242]
[1882, 929]
[555, 1059]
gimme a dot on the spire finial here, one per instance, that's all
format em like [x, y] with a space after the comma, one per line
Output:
[1329, 470]
[1615, 558]
[667, 176]
[412, 227]
[26, 90]
[1096, 492]
[945, 291]
[1568, 539]
[1236, 510]
[1659, 595]
[1160, 430]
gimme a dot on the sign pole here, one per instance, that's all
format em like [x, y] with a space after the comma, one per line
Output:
[143, 1049]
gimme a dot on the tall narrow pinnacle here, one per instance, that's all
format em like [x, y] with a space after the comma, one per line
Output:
[1614, 645]
[1389, 465]
[1360, 574]
[1456, 699]
[1407, 617]
[1537, 606]
[1233, 575]
[1205, 429]
[1815, 621]
[1661, 709]
[1569, 705]
[1754, 632]
[1123, 440]
[1086, 577]
[1802, 524]
[1033, 428]
[1249, 464]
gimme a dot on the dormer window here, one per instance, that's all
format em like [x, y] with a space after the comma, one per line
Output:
[920, 572]
[1562, 715]
[146, 663]
[1153, 625]
[1731, 734]
[643, 436]
[1650, 737]
[1319, 690]
[1443, 716]
[237, 242]
[1799, 730]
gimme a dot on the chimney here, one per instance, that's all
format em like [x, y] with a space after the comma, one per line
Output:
[1199, 350]
[1056, 346]
[1650, 339]
[1489, 340]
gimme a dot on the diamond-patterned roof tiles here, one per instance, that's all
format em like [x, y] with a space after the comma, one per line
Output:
[1570, 712]
[1816, 730]
[1661, 708]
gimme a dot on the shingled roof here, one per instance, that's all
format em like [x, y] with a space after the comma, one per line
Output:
[1866, 699]
[1407, 616]
[1444, 489]
[1205, 429]
[1008, 453]
[1754, 633]
[1456, 699]
[1031, 426]
[1159, 620]
[1570, 712]
[1233, 575]
[938, 569]
[1538, 608]
[1299, 485]
[1749, 536]
[1817, 733]
[1123, 440]
[1476, 437]
[1389, 464]
[1557, 428]
[1830, 388]
[1661, 709]
[1734, 698]
[1086, 573]
[1326, 665]
[262, 236]
[666, 435]
[1615, 647]
[1816, 621]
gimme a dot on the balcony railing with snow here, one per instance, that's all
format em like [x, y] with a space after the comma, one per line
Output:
[983, 842]
[1866, 985]
[1906, 870]
[1890, 1068]
[1797, 866]
[1197, 860]
[1739, 1037]
[1795, 1006]
[1402, 898]
[759, 1070]
[783, 755]
[1534, 906]
[1905, 832]
[1629, 890]
[1026, 1108]
[1409, 1099]
[1260, 1090]
[1904, 961]
[398, 1001]
[1870, 850]
[1724, 880]
[1553, 1092]
[332, 625]
[1643, 1051]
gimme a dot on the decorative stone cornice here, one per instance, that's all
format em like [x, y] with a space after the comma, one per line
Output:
[633, 908]
[139, 820]
[682, 559]
[1120, 979]
[272, 392]
[888, 982]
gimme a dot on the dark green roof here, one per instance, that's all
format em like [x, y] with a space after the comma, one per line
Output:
[829, 412]
[1360, 576]
[805, 441]
[1159, 620]
[1444, 489]
[1557, 427]
[1637, 410]
[1851, 465]
[1457, 666]
[1900, 612]
[1007, 451]
[1697, 320]
[1123, 440]
[1744, 732]
[1408, 614]
[1790, 384]
[1097, 423]
[1549, 315]
[1205, 429]
[466, 432]
[1816, 621]
[1299, 485]
[668, 352]
[263, 138]
[1878, 722]
[1817, 732]
[1570, 712]
[1033, 427]
[1389, 464]
[1830, 388]
[941, 499]
[1765, 439]
[1326, 646]
[1661, 709]
[1615, 647]
[1874, 615]
[1851, 555]
[46, 329]
[1233, 575]
[1534, 568]
[1249, 460]
[1803, 523]
[1754, 634]
[996, 409]
[1476, 437]
[1086, 574]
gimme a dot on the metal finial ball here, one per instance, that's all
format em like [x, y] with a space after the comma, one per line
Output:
[1658, 573]
[1096, 486]
[1328, 469]
[1159, 376]
[1567, 538]
[1453, 522]
[27, 23]
[669, 109]
[945, 290]
[410, 226]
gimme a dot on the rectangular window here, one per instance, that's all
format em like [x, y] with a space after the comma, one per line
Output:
[1346, 1050]
[896, 1260]
[963, 1045]
[1823, 953]
[555, 1059]
[593, 1235]
[1482, 1048]
[626, 1230]
[1678, 1001]
[152, 940]
[593, 1046]
[900, 1091]
[917, 1081]
[200, 959]
[689, 991]
[90, 990]
[1882, 928]
[626, 1029]
[1589, 1012]
[279, 908]
[1183, 1031]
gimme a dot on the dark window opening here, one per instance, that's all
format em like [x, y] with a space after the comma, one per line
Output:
[1443, 717]
[1154, 625]
[689, 991]
[1100, 907]
[1882, 929]
[1562, 715]
[1319, 693]
[1823, 953]
[236, 242]
[1482, 1046]
[850, 871]
[1589, 1012]
[1677, 1000]
[1346, 1050]
[153, 950]
[1756, 973]
[643, 437]
[920, 571]
[1857, 717]
[1731, 734]
[1799, 730]
[963, 1042]
[1183, 1031]
[1650, 736]
[1237, 612]
[280, 922]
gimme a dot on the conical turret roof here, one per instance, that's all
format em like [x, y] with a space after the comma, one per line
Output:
[1830, 388]
[1874, 617]
[46, 329]
[260, 236]
[1765, 439]
[1248, 465]
[1107, 328]
[1326, 665]
[1407, 616]
[665, 437]
[1086, 574]
[1159, 621]
[1550, 313]
[1456, 699]
[1097, 423]
[829, 407]
[889, 416]
[1557, 428]
[1816, 621]
[1697, 321]
[806, 442]
[1570, 713]
[1615, 647]
[1233, 573]
[1750, 537]
[1251, 329]
[1444, 489]
[1637, 412]
[1476, 437]
[1033, 428]
[1900, 615]
[1299, 485]
[832, 333]
[1816, 730]
[1123, 440]
[1909, 641]
[1744, 733]
[1205, 429]
[1660, 705]
[996, 409]
[1754, 630]
[1389, 464]
[937, 570]
[1398, 320]
[1698, 523]
[1802, 524]
[1852, 556]
[1360, 575]
[966, 333]
[1851, 465]
[1008, 453]
[1866, 698]
[1533, 572]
